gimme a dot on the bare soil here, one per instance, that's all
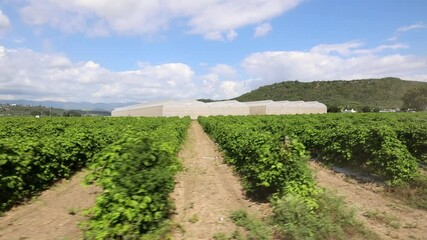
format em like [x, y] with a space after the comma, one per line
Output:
[54, 214]
[387, 216]
[206, 191]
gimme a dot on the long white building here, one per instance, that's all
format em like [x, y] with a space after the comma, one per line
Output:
[194, 108]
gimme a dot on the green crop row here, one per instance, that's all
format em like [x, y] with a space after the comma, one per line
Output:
[270, 154]
[269, 165]
[34, 153]
[390, 145]
[137, 175]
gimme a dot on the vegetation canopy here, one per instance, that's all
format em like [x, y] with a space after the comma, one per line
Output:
[382, 93]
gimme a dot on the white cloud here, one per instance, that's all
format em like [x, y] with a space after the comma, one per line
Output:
[28, 74]
[411, 27]
[231, 35]
[222, 82]
[214, 86]
[403, 29]
[342, 48]
[231, 89]
[4, 22]
[223, 70]
[33, 75]
[262, 30]
[380, 49]
[213, 19]
[353, 48]
[320, 63]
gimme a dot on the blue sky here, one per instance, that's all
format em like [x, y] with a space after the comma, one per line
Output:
[131, 50]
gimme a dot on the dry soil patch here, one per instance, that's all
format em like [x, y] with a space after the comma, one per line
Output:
[207, 191]
[388, 217]
[54, 214]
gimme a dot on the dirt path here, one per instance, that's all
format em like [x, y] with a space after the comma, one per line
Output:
[207, 191]
[53, 215]
[388, 217]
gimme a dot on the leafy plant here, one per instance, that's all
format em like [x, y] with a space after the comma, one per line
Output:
[137, 175]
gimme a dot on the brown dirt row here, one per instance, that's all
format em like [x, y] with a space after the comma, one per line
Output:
[207, 191]
[387, 216]
[54, 214]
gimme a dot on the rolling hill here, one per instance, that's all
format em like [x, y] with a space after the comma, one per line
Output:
[380, 93]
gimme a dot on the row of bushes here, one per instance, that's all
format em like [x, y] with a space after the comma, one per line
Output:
[34, 153]
[137, 175]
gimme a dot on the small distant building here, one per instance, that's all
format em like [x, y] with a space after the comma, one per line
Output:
[349, 110]
[390, 110]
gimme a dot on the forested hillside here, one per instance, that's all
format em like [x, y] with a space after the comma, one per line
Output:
[379, 93]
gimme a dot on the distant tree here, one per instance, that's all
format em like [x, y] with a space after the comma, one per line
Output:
[205, 100]
[366, 109]
[35, 113]
[415, 99]
[71, 114]
[333, 109]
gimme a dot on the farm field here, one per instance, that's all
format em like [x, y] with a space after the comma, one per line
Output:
[270, 154]
[134, 161]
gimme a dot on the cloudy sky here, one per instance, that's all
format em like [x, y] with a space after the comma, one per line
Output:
[133, 50]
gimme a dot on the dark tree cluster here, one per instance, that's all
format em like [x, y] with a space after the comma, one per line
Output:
[415, 99]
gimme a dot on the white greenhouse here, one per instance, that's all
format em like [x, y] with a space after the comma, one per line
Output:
[269, 107]
[164, 109]
[258, 107]
[226, 108]
[195, 108]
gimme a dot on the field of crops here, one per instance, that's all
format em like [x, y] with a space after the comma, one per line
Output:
[270, 154]
[390, 145]
[132, 159]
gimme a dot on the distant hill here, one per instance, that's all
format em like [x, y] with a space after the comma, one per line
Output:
[381, 93]
[86, 106]
[13, 109]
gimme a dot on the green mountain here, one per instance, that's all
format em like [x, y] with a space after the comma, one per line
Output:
[374, 93]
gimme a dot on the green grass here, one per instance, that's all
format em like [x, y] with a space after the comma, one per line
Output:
[72, 211]
[194, 218]
[247, 227]
[236, 235]
[164, 231]
[414, 193]
[293, 218]
[255, 228]
[384, 217]
[331, 220]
